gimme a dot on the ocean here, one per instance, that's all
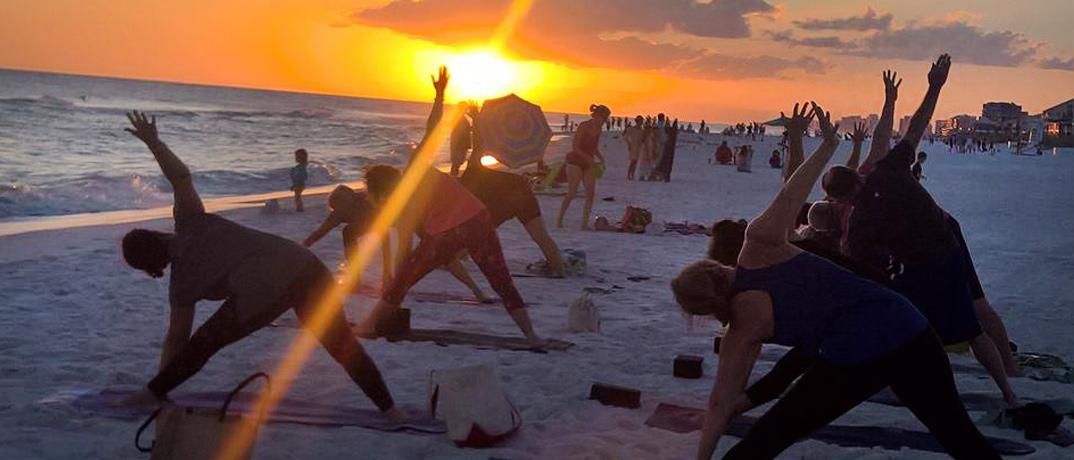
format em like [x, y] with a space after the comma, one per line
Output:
[63, 149]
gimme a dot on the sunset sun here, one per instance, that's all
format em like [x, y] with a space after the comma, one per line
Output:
[482, 74]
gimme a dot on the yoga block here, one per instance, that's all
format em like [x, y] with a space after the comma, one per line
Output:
[688, 367]
[612, 395]
[397, 324]
[716, 345]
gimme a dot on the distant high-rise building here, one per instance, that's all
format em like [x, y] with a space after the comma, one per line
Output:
[871, 121]
[904, 124]
[846, 124]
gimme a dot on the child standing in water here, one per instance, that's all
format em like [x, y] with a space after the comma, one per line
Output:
[298, 177]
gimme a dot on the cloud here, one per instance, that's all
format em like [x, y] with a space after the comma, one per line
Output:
[1057, 64]
[965, 42]
[816, 42]
[867, 21]
[572, 31]
[733, 67]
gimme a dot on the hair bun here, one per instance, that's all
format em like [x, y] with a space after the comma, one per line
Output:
[592, 107]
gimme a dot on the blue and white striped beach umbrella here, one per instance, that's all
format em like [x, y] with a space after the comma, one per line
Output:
[513, 130]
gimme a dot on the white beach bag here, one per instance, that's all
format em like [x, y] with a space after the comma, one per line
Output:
[583, 315]
[473, 406]
[187, 433]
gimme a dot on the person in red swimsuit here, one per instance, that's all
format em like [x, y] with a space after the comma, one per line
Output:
[581, 160]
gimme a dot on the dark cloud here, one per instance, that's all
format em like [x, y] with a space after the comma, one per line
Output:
[572, 31]
[869, 20]
[721, 66]
[815, 42]
[966, 43]
[1057, 64]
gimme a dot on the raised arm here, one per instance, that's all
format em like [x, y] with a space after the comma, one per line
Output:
[882, 132]
[187, 200]
[796, 128]
[920, 121]
[772, 225]
[859, 138]
[437, 112]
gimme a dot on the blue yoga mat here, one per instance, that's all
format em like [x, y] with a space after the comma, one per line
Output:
[288, 411]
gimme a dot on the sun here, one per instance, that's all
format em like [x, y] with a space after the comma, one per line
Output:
[482, 74]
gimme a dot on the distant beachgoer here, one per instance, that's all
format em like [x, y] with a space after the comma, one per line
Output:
[896, 222]
[461, 139]
[774, 160]
[724, 156]
[259, 276]
[635, 139]
[581, 163]
[450, 220]
[855, 337]
[649, 154]
[298, 177]
[915, 169]
[744, 159]
[662, 171]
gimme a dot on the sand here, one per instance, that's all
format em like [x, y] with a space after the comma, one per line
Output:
[75, 316]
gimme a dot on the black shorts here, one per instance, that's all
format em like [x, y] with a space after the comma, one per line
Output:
[506, 195]
[940, 292]
[976, 291]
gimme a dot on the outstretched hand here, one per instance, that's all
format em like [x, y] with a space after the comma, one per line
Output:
[799, 121]
[829, 131]
[145, 128]
[440, 83]
[891, 87]
[938, 72]
[858, 136]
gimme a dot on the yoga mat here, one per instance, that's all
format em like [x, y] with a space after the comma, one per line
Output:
[681, 419]
[431, 297]
[288, 411]
[445, 337]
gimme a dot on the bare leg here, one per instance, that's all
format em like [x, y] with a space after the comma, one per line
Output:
[590, 180]
[459, 272]
[298, 201]
[574, 176]
[986, 353]
[631, 168]
[522, 320]
[535, 227]
[994, 328]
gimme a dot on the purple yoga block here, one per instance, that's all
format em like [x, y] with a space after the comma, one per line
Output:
[688, 367]
[613, 395]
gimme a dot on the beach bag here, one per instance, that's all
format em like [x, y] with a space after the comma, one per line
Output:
[583, 316]
[473, 406]
[187, 433]
[635, 220]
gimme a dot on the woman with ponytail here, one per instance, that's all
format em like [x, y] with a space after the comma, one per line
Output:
[581, 161]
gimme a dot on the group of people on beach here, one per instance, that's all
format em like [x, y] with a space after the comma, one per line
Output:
[651, 145]
[866, 293]
[866, 298]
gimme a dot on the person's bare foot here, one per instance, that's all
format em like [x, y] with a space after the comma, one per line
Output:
[559, 224]
[482, 298]
[144, 400]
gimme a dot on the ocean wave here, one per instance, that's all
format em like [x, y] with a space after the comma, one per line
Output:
[100, 192]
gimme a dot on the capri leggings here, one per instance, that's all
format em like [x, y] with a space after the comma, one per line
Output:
[303, 294]
[479, 239]
[919, 374]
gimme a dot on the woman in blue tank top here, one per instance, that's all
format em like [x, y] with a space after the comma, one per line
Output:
[858, 336]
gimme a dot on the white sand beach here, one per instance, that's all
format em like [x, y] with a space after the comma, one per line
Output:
[74, 315]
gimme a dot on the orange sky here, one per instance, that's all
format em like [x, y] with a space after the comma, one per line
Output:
[315, 46]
